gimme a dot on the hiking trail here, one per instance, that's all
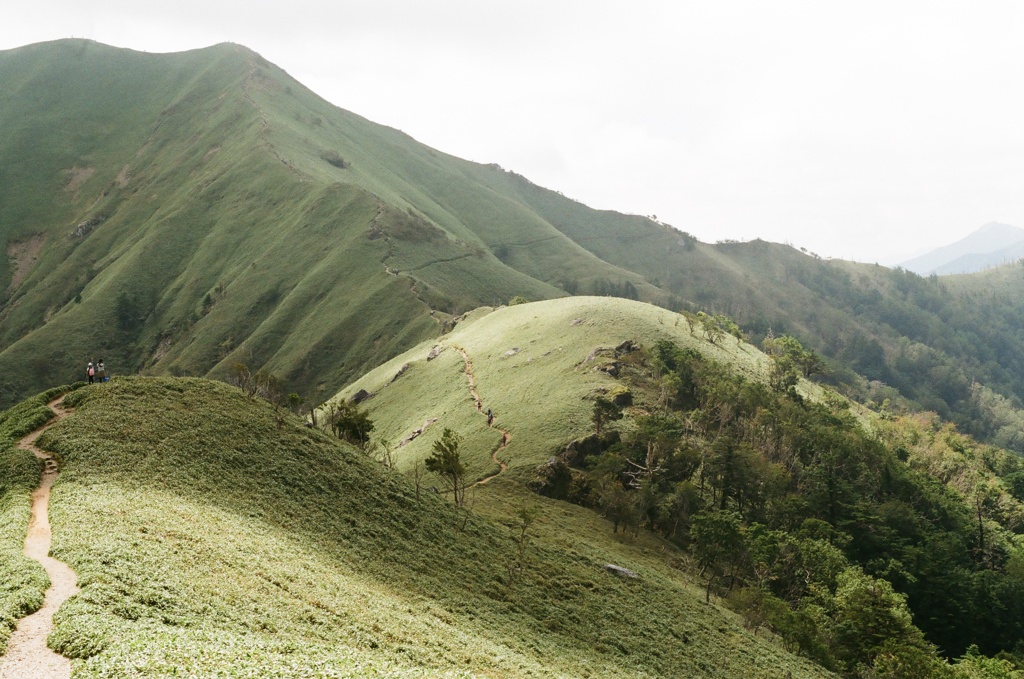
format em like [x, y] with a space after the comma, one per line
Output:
[28, 656]
[506, 436]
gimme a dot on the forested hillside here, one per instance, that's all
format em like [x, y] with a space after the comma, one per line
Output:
[877, 545]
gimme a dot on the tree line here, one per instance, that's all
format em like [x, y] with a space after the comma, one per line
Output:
[804, 521]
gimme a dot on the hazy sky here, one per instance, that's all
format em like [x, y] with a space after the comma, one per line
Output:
[860, 130]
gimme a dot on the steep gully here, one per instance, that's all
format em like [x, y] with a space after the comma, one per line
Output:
[27, 653]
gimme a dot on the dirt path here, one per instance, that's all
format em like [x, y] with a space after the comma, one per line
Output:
[27, 653]
[506, 436]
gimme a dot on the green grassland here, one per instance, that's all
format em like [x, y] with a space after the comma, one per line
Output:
[22, 580]
[180, 213]
[208, 540]
[238, 217]
[923, 490]
[531, 367]
[213, 537]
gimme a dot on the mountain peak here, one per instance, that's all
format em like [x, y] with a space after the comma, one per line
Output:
[990, 245]
[999, 227]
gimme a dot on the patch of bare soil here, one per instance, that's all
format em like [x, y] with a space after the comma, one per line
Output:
[28, 656]
[124, 176]
[76, 177]
[23, 257]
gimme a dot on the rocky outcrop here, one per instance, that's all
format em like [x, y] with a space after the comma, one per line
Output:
[620, 571]
[401, 371]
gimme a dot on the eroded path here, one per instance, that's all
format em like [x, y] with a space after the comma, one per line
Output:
[28, 656]
[506, 436]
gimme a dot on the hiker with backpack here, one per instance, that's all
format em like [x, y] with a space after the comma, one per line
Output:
[101, 372]
[90, 372]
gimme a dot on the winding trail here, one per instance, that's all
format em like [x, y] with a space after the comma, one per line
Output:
[28, 656]
[506, 435]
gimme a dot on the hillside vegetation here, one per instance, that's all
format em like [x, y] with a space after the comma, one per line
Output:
[22, 580]
[212, 539]
[182, 213]
[792, 502]
[536, 366]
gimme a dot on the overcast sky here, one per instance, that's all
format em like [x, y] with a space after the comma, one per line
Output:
[863, 130]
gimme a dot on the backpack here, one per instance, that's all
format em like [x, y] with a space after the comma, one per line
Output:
[92, 372]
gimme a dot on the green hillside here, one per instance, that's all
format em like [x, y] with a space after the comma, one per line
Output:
[906, 506]
[224, 213]
[531, 368]
[210, 540]
[22, 580]
[181, 213]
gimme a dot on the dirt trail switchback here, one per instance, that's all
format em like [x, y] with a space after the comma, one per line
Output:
[28, 656]
[506, 436]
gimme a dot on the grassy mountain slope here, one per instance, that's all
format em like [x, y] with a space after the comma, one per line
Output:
[533, 367]
[209, 539]
[181, 213]
[952, 345]
[237, 217]
[925, 510]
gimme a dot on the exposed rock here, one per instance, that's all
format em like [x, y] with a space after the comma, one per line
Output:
[621, 396]
[582, 447]
[401, 371]
[417, 432]
[577, 321]
[78, 176]
[511, 352]
[620, 571]
[359, 396]
[579, 449]
[435, 351]
[611, 367]
[23, 256]
[627, 347]
[83, 228]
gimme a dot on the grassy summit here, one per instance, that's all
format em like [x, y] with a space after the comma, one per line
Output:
[537, 366]
[209, 540]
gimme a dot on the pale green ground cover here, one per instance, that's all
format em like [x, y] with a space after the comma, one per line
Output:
[543, 393]
[210, 542]
[22, 580]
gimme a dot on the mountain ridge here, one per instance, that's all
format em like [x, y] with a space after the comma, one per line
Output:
[223, 214]
[223, 221]
[992, 244]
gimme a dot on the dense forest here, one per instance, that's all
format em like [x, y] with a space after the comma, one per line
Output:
[952, 345]
[866, 546]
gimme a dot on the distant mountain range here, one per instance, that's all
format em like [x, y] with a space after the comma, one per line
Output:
[992, 245]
